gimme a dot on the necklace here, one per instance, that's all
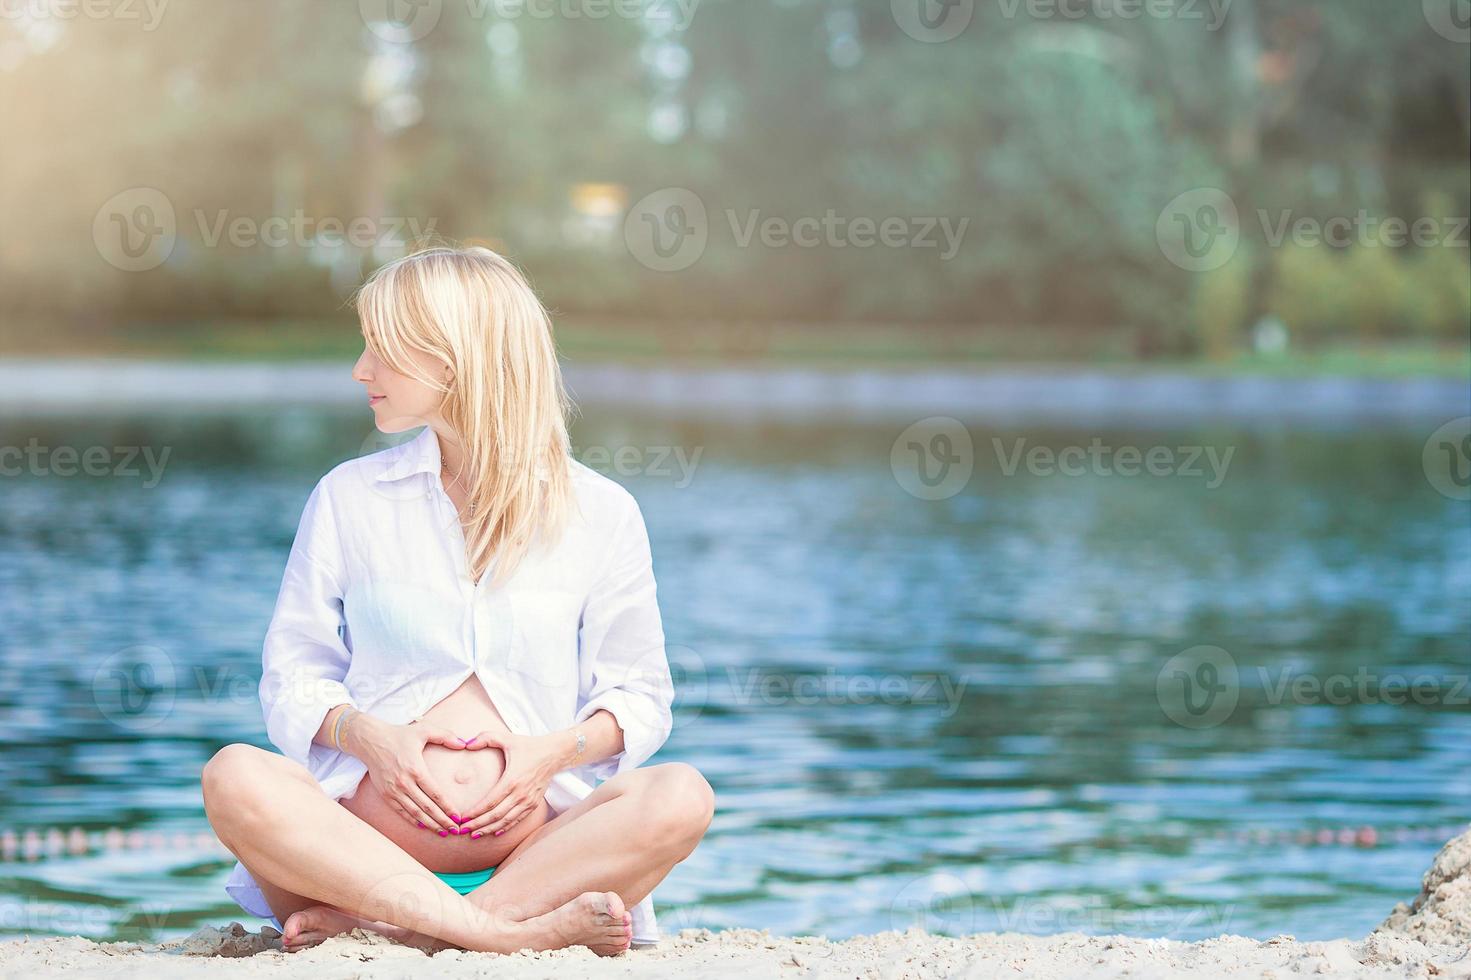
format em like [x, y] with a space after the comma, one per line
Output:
[444, 470]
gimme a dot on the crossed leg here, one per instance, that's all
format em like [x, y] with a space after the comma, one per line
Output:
[323, 870]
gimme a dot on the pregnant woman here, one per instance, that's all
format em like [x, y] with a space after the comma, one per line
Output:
[466, 640]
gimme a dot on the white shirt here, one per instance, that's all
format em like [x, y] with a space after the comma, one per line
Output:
[377, 609]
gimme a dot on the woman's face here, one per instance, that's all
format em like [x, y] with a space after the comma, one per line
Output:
[398, 401]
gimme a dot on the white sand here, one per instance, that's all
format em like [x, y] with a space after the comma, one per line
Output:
[1429, 938]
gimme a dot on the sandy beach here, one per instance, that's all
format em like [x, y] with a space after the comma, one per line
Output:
[1429, 936]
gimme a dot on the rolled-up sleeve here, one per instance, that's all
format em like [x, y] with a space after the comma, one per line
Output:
[304, 659]
[622, 665]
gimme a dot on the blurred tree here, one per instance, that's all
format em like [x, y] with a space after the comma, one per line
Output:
[1047, 144]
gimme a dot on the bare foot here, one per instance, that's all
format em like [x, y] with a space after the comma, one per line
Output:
[596, 920]
[313, 926]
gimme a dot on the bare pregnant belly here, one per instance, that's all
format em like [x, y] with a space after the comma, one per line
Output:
[463, 776]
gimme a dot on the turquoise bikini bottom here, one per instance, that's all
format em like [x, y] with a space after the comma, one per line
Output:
[465, 882]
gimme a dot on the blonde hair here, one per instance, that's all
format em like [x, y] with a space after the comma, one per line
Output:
[474, 310]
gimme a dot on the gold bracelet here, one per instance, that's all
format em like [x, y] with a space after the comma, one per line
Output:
[349, 723]
[349, 714]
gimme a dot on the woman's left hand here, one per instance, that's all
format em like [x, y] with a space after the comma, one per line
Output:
[531, 762]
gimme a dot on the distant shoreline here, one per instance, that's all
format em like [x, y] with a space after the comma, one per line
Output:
[1151, 397]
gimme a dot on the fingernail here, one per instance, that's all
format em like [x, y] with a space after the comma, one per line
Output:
[444, 833]
[499, 832]
[420, 823]
[475, 835]
[455, 817]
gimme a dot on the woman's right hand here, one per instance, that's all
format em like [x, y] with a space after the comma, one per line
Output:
[394, 755]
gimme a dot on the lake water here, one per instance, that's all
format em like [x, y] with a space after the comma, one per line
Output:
[1045, 701]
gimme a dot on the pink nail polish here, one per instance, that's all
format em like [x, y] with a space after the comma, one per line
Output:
[499, 832]
[419, 822]
[475, 835]
[455, 817]
[444, 833]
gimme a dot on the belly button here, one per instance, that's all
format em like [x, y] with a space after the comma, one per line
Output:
[464, 775]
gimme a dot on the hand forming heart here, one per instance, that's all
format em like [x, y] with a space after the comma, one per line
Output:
[531, 762]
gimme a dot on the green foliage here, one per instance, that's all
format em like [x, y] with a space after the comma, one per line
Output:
[1055, 142]
[1222, 305]
[1375, 292]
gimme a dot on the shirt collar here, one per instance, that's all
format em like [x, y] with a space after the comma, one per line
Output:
[419, 455]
